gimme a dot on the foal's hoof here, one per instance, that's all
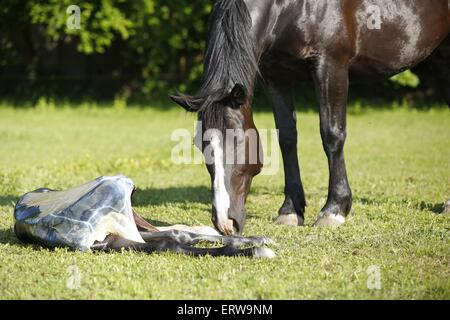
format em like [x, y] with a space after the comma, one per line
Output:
[329, 220]
[264, 253]
[291, 219]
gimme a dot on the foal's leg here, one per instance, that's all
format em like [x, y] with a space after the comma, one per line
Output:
[115, 243]
[331, 81]
[189, 238]
[293, 208]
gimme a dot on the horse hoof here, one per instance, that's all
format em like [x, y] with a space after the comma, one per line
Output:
[292, 219]
[330, 220]
[264, 253]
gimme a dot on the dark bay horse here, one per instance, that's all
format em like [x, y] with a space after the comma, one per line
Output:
[278, 41]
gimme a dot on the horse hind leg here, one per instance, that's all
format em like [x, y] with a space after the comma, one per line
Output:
[331, 81]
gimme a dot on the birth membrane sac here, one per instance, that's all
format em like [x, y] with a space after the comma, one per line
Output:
[78, 217]
[99, 216]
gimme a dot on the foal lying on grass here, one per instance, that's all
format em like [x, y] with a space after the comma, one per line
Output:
[98, 216]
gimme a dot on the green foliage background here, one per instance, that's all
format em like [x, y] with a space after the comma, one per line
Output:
[143, 48]
[158, 42]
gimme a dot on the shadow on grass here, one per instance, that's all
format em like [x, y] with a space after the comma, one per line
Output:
[7, 236]
[436, 208]
[161, 197]
[8, 200]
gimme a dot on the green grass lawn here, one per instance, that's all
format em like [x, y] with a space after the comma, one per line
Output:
[399, 169]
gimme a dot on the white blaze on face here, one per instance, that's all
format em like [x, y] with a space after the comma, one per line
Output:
[221, 199]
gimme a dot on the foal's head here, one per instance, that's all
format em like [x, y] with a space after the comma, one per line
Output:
[230, 144]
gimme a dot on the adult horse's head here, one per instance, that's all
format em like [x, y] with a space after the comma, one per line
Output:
[230, 144]
[229, 140]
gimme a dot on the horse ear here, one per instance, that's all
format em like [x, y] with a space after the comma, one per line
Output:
[238, 96]
[190, 104]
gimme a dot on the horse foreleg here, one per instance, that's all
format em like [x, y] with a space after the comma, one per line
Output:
[331, 81]
[293, 208]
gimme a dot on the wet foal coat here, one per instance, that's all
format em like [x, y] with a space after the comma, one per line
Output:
[98, 216]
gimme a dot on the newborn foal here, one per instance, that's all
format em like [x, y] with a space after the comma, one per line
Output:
[98, 216]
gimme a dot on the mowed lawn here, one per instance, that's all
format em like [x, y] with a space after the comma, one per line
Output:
[399, 169]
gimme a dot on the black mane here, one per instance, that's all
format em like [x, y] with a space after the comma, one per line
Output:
[229, 59]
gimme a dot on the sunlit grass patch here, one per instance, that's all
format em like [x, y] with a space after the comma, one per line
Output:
[399, 170]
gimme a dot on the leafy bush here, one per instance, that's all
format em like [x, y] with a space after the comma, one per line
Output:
[124, 49]
[406, 79]
[158, 43]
